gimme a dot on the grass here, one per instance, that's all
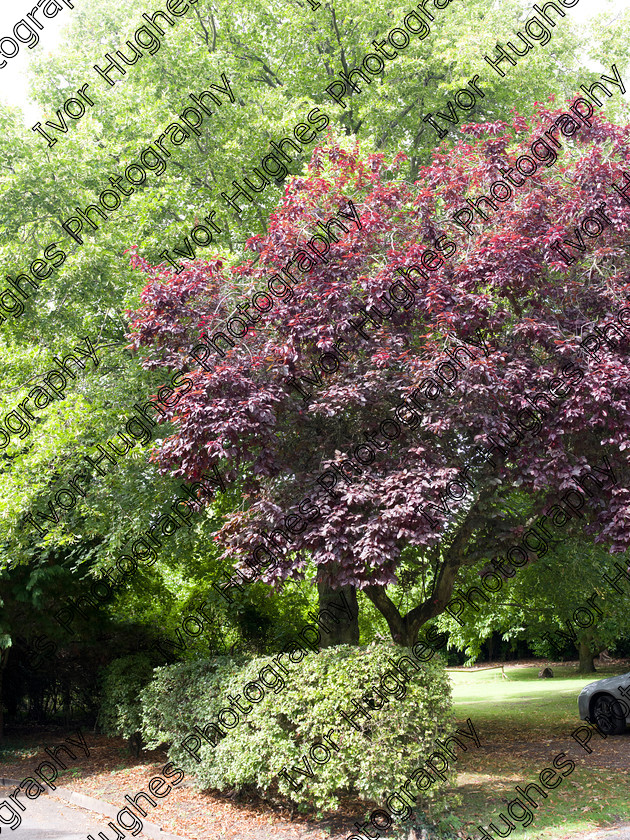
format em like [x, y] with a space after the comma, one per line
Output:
[523, 700]
[523, 722]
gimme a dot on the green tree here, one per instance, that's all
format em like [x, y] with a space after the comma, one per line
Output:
[275, 86]
[560, 604]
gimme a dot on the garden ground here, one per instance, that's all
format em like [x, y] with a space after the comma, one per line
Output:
[522, 722]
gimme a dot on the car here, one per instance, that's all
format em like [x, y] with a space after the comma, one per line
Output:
[602, 703]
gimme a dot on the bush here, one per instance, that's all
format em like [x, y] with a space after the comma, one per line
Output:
[297, 710]
[121, 711]
[183, 695]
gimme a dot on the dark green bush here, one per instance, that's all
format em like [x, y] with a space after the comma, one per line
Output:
[120, 711]
[281, 728]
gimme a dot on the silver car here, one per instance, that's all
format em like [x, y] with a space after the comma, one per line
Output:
[606, 704]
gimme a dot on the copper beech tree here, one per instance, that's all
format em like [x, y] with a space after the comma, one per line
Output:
[383, 449]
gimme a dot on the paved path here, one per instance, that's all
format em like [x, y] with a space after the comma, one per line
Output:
[50, 819]
[47, 818]
[622, 833]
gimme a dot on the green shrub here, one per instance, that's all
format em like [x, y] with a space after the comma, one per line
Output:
[120, 709]
[183, 695]
[281, 728]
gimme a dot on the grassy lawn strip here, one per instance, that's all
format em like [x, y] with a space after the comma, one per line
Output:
[586, 800]
[523, 722]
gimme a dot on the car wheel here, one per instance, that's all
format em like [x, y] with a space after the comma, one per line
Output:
[609, 715]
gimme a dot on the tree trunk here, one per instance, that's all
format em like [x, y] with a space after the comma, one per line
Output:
[490, 642]
[587, 664]
[335, 625]
[404, 629]
[4, 658]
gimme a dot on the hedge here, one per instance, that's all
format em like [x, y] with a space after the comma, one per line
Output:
[120, 711]
[295, 714]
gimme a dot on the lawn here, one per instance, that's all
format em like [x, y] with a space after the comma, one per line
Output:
[523, 722]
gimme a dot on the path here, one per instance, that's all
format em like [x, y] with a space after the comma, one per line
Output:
[46, 818]
[622, 833]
